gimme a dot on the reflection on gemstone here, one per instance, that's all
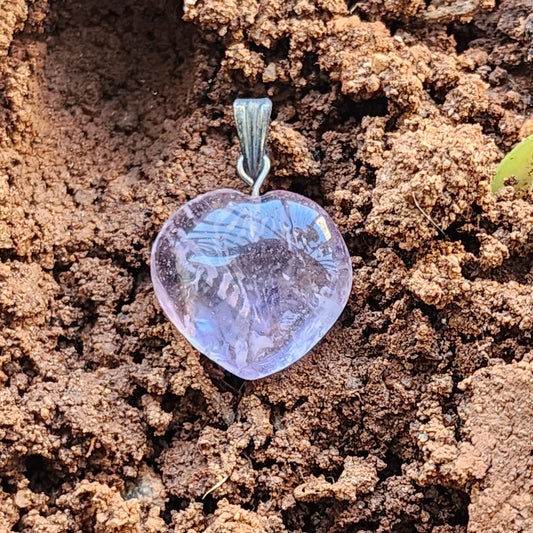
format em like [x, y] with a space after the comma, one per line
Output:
[252, 282]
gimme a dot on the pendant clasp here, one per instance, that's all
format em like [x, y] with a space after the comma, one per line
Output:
[252, 116]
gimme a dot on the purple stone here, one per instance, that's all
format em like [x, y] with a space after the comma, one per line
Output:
[252, 282]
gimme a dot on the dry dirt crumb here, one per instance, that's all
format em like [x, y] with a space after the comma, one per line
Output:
[367, 61]
[359, 476]
[448, 170]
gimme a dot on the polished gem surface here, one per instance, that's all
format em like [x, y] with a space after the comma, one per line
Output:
[252, 282]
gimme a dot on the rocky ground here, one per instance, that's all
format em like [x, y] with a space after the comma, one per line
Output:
[415, 413]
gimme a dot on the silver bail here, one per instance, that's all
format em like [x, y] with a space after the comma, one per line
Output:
[252, 116]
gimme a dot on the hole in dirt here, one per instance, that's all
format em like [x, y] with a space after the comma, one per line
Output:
[169, 402]
[511, 345]
[173, 504]
[41, 474]
[308, 188]
[28, 367]
[223, 380]
[7, 256]
[438, 95]
[364, 245]
[446, 506]
[189, 415]
[464, 34]
[359, 10]
[517, 269]
[455, 232]
[394, 466]
[5, 485]
[280, 50]
[350, 108]
[210, 505]
[314, 75]
[134, 399]
[347, 317]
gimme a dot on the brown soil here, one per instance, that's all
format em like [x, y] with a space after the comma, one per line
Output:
[413, 415]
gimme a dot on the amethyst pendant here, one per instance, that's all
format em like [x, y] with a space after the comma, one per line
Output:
[252, 282]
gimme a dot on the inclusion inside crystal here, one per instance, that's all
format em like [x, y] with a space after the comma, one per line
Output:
[252, 282]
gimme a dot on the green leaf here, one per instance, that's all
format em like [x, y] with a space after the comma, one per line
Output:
[518, 163]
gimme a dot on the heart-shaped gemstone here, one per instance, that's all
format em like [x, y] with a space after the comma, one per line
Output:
[252, 282]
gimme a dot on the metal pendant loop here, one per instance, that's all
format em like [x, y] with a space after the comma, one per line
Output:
[252, 117]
